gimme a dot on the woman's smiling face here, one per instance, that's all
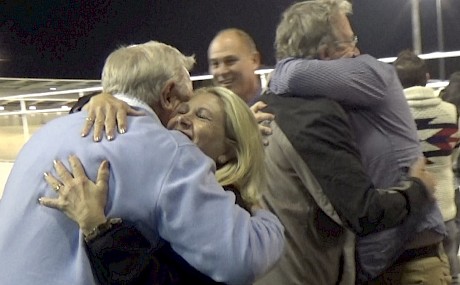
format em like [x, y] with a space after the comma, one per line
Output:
[202, 119]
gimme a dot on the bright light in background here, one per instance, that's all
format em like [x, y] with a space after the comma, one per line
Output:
[32, 108]
[53, 88]
[433, 55]
[65, 107]
[2, 108]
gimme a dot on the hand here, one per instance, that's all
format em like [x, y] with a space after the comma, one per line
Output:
[78, 197]
[106, 111]
[263, 119]
[418, 169]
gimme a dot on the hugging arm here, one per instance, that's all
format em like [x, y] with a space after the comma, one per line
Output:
[359, 81]
[337, 166]
[328, 155]
[106, 113]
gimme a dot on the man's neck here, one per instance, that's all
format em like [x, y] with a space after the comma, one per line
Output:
[253, 93]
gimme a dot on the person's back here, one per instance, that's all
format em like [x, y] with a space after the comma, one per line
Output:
[370, 92]
[39, 245]
[437, 127]
[319, 248]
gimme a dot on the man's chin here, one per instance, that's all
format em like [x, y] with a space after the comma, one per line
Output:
[230, 87]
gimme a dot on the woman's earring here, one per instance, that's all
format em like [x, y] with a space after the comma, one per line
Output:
[222, 159]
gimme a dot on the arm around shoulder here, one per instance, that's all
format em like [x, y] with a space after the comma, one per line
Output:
[120, 256]
[360, 81]
[416, 193]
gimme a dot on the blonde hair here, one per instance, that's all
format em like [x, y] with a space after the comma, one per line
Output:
[247, 170]
[141, 71]
[306, 25]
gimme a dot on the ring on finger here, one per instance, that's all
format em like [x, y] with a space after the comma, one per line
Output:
[57, 187]
[89, 119]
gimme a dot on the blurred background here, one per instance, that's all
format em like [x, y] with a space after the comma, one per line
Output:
[71, 39]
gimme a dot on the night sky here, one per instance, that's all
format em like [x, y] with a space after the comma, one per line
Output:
[70, 39]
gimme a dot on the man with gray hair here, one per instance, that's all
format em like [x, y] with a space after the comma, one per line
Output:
[318, 60]
[158, 178]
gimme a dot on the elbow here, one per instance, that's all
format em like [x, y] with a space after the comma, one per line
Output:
[259, 247]
[265, 249]
[268, 256]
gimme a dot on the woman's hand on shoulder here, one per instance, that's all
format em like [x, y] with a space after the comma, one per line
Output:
[78, 197]
[105, 112]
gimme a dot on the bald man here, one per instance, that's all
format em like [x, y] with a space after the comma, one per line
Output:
[233, 58]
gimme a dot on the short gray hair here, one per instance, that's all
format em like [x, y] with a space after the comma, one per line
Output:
[306, 25]
[141, 71]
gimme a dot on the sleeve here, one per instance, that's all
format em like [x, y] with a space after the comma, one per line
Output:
[360, 81]
[203, 225]
[409, 197]
[124, 256]
[120, 256]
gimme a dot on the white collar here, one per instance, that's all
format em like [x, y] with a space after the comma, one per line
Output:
[134, 102]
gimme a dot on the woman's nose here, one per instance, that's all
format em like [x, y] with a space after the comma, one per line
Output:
[184, 121]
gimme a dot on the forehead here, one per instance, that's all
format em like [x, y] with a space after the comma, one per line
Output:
[228, 44]
[207, 100]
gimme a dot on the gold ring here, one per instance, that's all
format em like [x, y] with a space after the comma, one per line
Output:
[57, 187]
[89, 119]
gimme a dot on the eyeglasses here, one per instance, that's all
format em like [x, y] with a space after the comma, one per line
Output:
[353, 41]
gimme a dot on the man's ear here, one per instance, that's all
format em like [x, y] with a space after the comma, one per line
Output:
[256, 59]
[167, 95]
